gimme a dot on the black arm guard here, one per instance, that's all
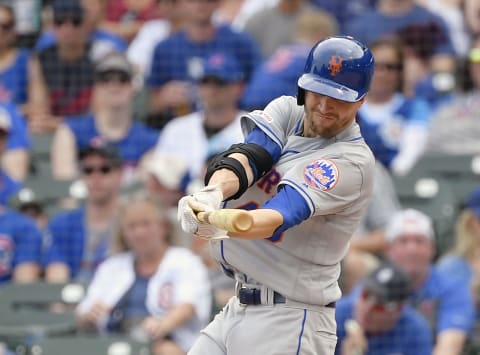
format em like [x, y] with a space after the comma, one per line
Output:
[257, 156]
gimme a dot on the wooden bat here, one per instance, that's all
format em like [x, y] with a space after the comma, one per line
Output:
[232, 220]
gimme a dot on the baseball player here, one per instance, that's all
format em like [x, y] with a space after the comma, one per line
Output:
[305, 174]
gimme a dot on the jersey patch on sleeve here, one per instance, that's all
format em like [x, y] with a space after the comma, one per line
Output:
[263, 115]
[321, 174]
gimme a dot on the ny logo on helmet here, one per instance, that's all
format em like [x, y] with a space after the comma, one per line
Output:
[335, 65]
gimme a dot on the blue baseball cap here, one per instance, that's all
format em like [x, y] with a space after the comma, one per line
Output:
[222, 66]
[473, 202]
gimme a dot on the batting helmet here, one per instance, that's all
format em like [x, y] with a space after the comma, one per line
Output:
[339, 67]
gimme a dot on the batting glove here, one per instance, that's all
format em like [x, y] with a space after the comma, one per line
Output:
[208, 199]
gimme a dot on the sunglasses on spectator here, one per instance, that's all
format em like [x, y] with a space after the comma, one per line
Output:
[213, 80]
[74, 20]
[103, 169]
[389, 66]
[380, 306]
[113, 76]
[7, 26]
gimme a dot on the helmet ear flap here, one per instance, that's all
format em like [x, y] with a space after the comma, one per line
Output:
[300, 96]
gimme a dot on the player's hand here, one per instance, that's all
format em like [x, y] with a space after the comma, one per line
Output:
[207, 199]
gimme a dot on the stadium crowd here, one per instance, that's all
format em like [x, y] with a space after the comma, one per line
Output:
[133, 98]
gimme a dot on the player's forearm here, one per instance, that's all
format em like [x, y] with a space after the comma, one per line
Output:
[178, 316]
[265, 223]
[227, 180]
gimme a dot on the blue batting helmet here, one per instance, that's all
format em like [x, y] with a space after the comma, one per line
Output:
[339, 67]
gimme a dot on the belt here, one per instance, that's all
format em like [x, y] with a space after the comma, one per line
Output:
[252, 296]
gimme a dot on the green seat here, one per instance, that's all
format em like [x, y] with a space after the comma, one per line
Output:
[434, 197]
[40, 295]
[91, 345]
[462, 172]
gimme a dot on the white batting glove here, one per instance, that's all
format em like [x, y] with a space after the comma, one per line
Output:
[208, 199]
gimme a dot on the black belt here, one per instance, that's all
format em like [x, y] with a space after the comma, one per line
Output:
[251, 296]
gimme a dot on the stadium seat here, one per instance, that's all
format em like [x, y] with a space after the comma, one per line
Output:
[92, 345]
[39, 295]
[435, 197]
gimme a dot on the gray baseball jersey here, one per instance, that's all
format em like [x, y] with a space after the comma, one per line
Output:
[335, 178]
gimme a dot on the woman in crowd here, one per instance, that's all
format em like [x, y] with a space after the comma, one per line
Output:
[150, 288]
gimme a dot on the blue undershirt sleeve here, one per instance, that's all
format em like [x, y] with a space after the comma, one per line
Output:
[257, 136]
[291, 205]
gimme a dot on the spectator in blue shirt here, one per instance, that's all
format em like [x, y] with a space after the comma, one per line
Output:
[13, 61]
[278, 74]
[463, 261]
[112, 120]
[177, 60]
[430, 57]
[444, 301]
[20, 247]
[375, 320]
[102, 41]
[16, 156]
[80, 238]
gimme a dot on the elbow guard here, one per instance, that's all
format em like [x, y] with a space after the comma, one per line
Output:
[259, 158]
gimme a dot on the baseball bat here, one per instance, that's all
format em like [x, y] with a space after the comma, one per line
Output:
[232, 220]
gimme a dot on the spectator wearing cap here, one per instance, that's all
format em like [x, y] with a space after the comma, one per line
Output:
[80, 238]
[61, 75]
[111, 121]
[102, 40]
[444, 301]
[463, 261]
[376, 320]
[14, 152]
[216, 126]
[278, 74]
[177, 60]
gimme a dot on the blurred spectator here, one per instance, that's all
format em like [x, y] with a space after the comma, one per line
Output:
[20, 247]
[444, 301]
[13, 61]
[237, 12]
[463, 262]
[278, 74]
[375, 320]
[126, 17]
[150, 287]
[166, 178]
[472, 15]
[395, 127]
[455, 127]
[102, 41]
[80, 238]
[62, 75]
[452, 13]
[177, 61]
[140, 50]
[111, 121]
[274, 27]
[368, 243]
[345, 11]
[15, 156]
[429, 54]
[195, 137]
